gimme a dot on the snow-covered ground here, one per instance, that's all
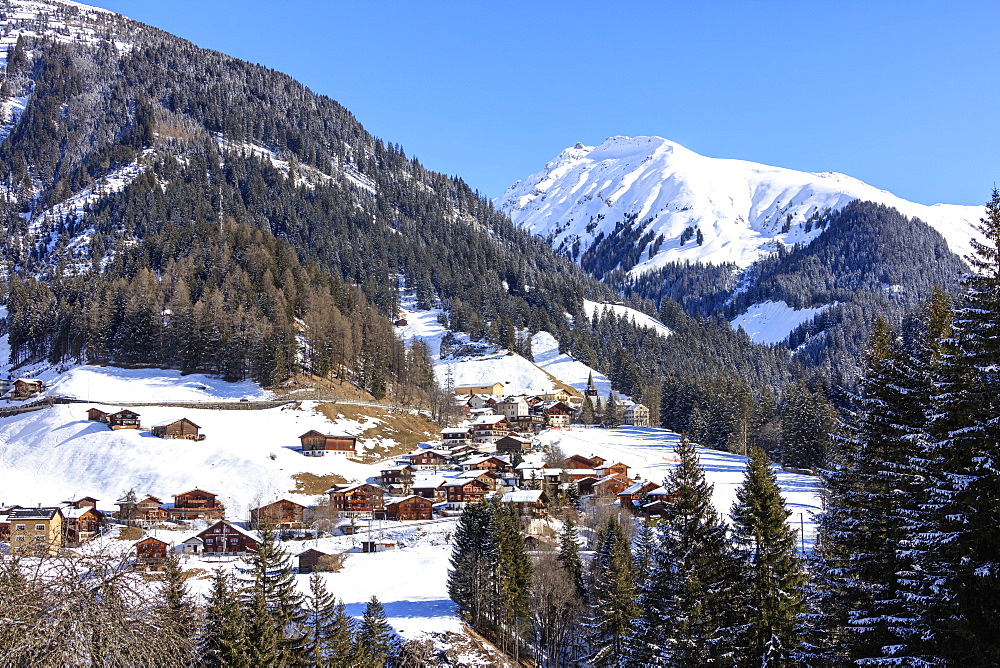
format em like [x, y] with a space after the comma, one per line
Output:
[545, 350]
[742, 209]
[110, 384]
[772, 322]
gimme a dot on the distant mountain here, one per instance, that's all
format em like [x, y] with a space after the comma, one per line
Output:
[638, 203]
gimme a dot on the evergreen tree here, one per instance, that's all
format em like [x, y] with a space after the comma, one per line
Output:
[330, 628]
[613, 413]
[809, 420]
[512, 579]
[223, 639]
[473, 558]
[687, 598]
[961, 552]
[569, 556]
[587, 412]
[614, 604]
[275, 632]
[771, 576]
[180, 616]
[375, 642]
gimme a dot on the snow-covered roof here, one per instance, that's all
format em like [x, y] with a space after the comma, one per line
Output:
[635, 488]
[523, 496]
[488, 419]
[455, 430]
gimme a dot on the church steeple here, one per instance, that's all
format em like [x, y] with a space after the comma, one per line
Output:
[591, 390]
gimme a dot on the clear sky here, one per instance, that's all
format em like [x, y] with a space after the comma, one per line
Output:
[902, 95]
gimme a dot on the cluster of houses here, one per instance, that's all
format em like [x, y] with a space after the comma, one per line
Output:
[43, 530]
[126, 419]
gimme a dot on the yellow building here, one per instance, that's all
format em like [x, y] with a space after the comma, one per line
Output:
[496, 389]
[35, 531]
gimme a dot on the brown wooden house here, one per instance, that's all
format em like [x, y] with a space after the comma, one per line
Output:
[611, 485]
[529, 502]
[28, 387]
[312, 560]
[97, 415]
[467, 490]
[358, 500]
[124, 419]
[196, 504]
[411, 507]
[151, 553]
[486, 463]
[225, 538]
[283, 514]
[510, 444]
[81, 524]
[634, 496]
[613, 469]
[579, 462]
[397, 476]
[428, 459]
[182, 428]
[316, 444]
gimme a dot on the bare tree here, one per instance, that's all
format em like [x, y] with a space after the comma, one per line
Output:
[557, 613]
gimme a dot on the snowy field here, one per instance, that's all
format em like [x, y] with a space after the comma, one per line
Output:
[772, 322]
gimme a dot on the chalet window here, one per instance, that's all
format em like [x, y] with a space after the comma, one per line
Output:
[19, 539]
[39, 527]
[20, 527]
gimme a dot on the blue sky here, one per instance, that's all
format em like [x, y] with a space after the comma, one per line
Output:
[902, 95]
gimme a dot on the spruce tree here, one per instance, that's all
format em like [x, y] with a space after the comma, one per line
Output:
[329, 626]
[223, 639]
[473, 558]
[176, 606]
[275, 632]
[511, 578]
[686, 600]
[961, 554]
[376, 641]
[569, 556]
[614, 605]
[771, 576]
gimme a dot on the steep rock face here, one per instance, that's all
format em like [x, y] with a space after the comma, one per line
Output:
[638, 203]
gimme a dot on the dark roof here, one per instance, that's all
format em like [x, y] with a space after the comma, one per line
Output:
[33, 513]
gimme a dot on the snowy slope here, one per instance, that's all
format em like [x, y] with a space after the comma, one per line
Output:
[772, 322]
[637, 317]
[741, 208]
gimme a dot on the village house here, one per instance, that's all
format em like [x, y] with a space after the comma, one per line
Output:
[182, 428]
[636, 415]
[529, 502]
[81, 521]
[481, 403]
[453, 436]
[97, 415]
[610, 486]
[428, 460]
[486, 463]
[510, 444]
[193, 545]
[225, 538]
[150, 553]
[490, 428]
[430, 488]
[25, 388]
[283, 514]
[612, 469]
[579, 462]
[314, 560]
[558, 413]
[399, 476]
[556, 396]
[315, 444]
[196, 504]
[35, 531]
[634, 496]
[466, 490]
[511, 408]
[124, 419]
[411, 507]
[496, 389]
[358, 500]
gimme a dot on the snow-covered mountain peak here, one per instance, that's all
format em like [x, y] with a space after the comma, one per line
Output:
[675, 204]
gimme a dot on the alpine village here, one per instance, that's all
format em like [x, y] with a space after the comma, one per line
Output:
[274, 393]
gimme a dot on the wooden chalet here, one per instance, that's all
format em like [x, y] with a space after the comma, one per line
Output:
[490, 428]
[358, 500]
[637, 494]
[466, 490]
[397, 476]
[527, 423]
[316, 444]
[558, 413]
[428, 459]
[150, 509]
[486, 463]
[196, 504]
[182, 428]
[225, 538]
[124, 419]
[411, 507]
[453, 436]
[28, 387]
[529, 502]
[97, 415]
[81, 524]
[430, 488]
[612, 469]
[510, 444]
[610, 485]
[283, 514]
[579, 462]
[151, 553]
[312, 560]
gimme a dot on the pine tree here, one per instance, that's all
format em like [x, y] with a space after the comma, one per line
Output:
[771, 576]
[275, 634]
[473, 558]
[375, 642]
[961, 552]
[511, 578]
[223, 639]
[330, 628]
[614, 604]
[569, 556]
[613, 413]
[686, 600]
[587, 412]
[809, 419]
[176, 607]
